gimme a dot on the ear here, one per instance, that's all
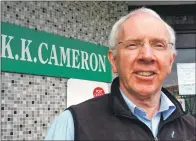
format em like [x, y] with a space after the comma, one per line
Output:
[172, 58]
[112, 60]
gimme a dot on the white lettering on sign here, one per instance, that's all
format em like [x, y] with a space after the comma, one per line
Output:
[75, 59]
[6, 46]
[102, 63]
[59, 56]
[53, 56]
[25, 50]
[84, 58]
[65, 57]
[40, 53]
[93, 64]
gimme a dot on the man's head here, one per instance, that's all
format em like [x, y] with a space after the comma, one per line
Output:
[142, 51]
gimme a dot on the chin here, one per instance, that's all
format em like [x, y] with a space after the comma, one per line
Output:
[145, 91]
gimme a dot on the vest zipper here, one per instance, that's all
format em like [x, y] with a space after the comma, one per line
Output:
[149, 131]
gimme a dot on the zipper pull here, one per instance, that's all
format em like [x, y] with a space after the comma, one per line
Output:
[156, 139]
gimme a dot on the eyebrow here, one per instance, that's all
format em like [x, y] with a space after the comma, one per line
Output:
[158, 39]
[130, 39]
[140, 39]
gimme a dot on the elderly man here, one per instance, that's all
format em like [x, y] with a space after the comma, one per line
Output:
[138, 108]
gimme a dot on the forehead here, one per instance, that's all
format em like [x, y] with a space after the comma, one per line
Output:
[143, 25]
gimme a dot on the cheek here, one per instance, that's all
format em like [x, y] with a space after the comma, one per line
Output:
[166, 65]
[125, 64]
[169, 68]
[125, 60]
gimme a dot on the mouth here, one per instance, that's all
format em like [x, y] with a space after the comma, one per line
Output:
[145, 73]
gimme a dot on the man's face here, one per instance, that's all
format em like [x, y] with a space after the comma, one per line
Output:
[142, 71]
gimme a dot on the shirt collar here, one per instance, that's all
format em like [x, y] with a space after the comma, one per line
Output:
[166, 106]
[129, 103]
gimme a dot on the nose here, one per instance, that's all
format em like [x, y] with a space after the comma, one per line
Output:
[146, 54]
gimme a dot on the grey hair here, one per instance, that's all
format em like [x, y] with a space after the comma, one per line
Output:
[116, 28]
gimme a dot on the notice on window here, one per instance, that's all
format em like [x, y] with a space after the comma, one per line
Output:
[186, 78]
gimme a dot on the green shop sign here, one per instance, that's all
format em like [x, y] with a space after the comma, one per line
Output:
[29, 51]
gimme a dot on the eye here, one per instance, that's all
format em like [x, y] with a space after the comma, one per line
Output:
[159, 46]
[131, 45]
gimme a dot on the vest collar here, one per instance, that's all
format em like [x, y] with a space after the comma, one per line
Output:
[119, 107]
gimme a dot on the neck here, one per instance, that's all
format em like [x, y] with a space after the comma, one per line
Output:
[150, 104]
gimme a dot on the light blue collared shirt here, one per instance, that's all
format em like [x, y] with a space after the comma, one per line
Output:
[166, 108]
[63, 126]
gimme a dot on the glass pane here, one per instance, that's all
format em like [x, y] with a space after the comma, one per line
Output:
[171, 83]
[186, 40]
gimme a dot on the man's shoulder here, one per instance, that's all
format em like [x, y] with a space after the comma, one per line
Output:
[188, 120]
[60, 119]
[189, 117]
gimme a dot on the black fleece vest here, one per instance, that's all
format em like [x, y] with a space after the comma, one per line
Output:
[109, 118]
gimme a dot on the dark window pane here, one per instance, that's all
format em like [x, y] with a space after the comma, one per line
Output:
[186, 40]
